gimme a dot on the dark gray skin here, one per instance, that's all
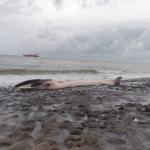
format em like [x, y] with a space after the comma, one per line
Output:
[48, 84]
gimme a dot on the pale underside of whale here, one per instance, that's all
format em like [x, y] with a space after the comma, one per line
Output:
[48, 84]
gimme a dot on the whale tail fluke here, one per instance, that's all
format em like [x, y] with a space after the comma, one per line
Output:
[34, 84]
[117, 81]
[27, 82]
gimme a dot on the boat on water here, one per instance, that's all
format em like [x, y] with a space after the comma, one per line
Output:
[31, 55]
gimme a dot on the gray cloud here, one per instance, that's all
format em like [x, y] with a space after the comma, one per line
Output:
[89, 3]
[110, 40]
[17, 7]
[47, 34]
[75, 26]
[58, 3]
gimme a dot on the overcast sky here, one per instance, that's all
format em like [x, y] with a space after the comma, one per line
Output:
[82, 28]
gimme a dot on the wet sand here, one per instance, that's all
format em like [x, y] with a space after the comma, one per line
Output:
[83, 118]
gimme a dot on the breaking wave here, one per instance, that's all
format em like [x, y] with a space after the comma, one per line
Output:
[42, 72]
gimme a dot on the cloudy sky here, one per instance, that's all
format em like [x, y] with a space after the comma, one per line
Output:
[81, 28]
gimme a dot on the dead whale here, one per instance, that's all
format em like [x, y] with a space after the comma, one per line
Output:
[49, 84]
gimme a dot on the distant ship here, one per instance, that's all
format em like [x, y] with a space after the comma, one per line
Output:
[31, 55]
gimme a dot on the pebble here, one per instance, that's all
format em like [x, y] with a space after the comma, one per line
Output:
[116, 141]
[21, 146]
[75, 131]
[5, 141]
[147, 108]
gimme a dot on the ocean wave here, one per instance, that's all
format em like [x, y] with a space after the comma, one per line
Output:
[40, 72]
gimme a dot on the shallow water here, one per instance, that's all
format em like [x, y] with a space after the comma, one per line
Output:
[14, 69]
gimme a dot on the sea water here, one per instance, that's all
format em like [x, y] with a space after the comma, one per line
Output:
[14, 69]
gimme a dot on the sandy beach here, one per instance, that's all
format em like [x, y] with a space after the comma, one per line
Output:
[83, 118]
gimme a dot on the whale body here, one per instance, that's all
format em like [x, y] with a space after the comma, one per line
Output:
[49, 84]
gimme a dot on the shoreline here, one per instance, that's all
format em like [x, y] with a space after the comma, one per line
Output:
[95, 117]
[11, 80]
